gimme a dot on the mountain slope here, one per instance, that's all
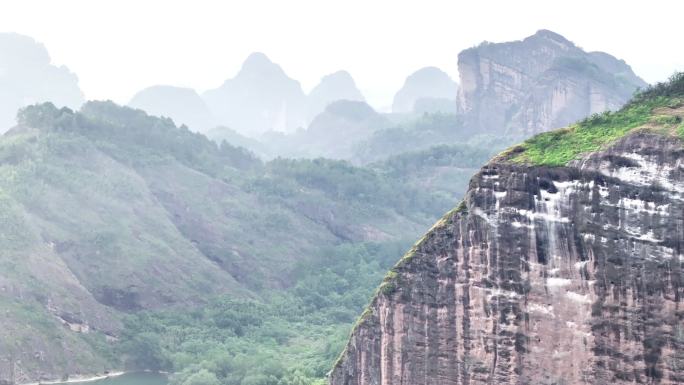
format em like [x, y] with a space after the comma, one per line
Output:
[564, 264]
[110, 212]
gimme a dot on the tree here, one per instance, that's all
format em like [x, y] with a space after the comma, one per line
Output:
[202, 377]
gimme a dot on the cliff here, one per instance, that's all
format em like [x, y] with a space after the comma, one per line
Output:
[561, 266]
[539, 83]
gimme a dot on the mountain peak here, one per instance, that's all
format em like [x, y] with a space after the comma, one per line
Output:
[258, 61]
[260, 98]
[426, 83]
[333, 87]
[429, 72]
[341, 76]
[550, 36]
[15, 47]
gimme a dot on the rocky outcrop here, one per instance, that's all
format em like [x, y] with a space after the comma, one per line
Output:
[427, 90]
[544, 275]
[539, 83]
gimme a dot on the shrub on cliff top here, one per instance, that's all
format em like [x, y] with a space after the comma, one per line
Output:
[557, 148]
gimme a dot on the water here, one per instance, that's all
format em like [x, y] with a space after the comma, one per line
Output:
[139, 378]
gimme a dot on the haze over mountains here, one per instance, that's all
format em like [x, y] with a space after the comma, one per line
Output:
[260, 98]
[27, 76]
[522, 87]
[426, 90]
[336, 86]
[183, 105]
[236, 242]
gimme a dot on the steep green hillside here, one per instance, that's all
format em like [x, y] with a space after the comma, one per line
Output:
[113, 219]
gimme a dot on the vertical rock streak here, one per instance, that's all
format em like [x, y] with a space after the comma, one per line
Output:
[569, 275]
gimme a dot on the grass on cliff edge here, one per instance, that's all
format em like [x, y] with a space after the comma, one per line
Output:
[557, 148]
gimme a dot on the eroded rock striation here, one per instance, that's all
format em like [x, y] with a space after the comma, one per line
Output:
[543, 275]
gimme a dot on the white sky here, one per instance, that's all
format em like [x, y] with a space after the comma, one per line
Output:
[118, 47]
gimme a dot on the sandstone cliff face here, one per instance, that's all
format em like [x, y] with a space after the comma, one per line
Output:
[567, 275]
[539, 83]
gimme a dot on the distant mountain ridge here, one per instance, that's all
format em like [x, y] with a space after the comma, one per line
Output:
[109, 211]
[183, 105]
[27, 76]
[423, 90]
[260, 98]
[333, 87]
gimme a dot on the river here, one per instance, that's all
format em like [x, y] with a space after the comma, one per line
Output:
[136, 378]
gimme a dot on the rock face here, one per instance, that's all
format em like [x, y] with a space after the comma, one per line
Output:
[260, 98]
[28, 77]
[428, 87]
[336, 86]
[539, 83]
[563, 275]
[183, 105]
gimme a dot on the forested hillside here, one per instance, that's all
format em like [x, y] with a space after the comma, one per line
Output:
[118, 223]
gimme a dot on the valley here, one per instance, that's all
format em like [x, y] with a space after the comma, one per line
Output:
[252, 233]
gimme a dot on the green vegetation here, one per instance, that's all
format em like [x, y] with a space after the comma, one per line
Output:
[429, 130]
[224, 269]
[389, 284]
[445, 170]
[288, 337]
[457, 155]
[557, 148]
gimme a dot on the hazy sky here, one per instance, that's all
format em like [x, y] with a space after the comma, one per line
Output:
[118, 47]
